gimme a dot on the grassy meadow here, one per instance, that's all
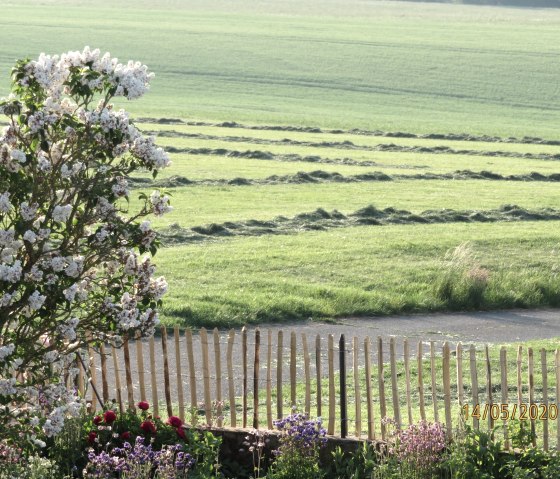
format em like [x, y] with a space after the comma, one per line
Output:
[337, 105]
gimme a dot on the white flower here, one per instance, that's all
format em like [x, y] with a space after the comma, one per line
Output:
[7, 386]
[145, 149]
[28, 212]
[160, 204]
[6, 299]
[35, 274]
[62, 213]
[6, 351]
[18, 156]
[68, 329]
[58, 263]
[39, 443]
[121, 187]
[145, 226]
[12, 274]
[44, 162]
[158, 288]
[5, 205]
[30, 236]
[36, 300]
[102, 235]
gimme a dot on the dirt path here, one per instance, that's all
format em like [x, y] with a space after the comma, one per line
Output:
[475, 327]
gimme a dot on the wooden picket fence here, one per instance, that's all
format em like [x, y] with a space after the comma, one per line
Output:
[248, 379]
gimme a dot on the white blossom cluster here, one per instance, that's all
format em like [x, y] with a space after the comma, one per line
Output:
[11, 158]
[6, 351]
[53, 72]
[160, 204]
[152, 155]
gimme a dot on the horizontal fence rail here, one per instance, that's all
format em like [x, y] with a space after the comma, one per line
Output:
[358, 386]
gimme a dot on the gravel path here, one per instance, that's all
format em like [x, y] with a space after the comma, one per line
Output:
[474, 327]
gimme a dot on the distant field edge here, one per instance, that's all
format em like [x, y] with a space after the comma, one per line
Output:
[495, 3]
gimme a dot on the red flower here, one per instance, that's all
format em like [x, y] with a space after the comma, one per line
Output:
[97, 420]
[110, 417]
[125, 436]
[181, 433]
[175, 421]
[92, 436]
[143, 405]
[148, 426]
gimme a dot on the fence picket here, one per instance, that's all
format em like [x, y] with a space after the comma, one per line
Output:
[504, 387]
[81, 374]
[269, 381]
[519, 378]
[531, 366]
[407, 379]
[490, 400]
[104, 381]
[357, 391]
[218, 366]
[433, 373]
[474, 384]
[343, 389]
[140, 364]
[293, 370]
[420, 364]
[231, 379]
[153, 376]
[447, 388]
[369, 395]
[203, 334]
[318, 374]
[545, 396]
[381, 382]
[244, 391]
[92, 375]
[166, 380]
[459, 360]
[192, 370]
[394, 383]
[331, 425]
[117, 379]
[256, 370]
[180, 392]
[307, 373]
[279, 378]
[128, 374]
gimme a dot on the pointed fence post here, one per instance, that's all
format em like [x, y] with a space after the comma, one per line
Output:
[343, 399]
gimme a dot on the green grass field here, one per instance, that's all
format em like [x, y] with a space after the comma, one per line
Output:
[318, 89]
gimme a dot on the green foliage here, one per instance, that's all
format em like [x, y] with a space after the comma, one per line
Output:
[358, 465]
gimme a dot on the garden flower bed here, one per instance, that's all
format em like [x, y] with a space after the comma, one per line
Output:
[138, 445]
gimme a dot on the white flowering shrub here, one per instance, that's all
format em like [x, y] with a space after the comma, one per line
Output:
[70, 247]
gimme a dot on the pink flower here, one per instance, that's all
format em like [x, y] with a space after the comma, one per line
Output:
[143, 405]
[110, 417]
[175, 421]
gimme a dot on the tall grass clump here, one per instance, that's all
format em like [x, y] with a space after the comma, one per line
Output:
[462, 281]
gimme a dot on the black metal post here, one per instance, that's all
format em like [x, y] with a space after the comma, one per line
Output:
[343, 404]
